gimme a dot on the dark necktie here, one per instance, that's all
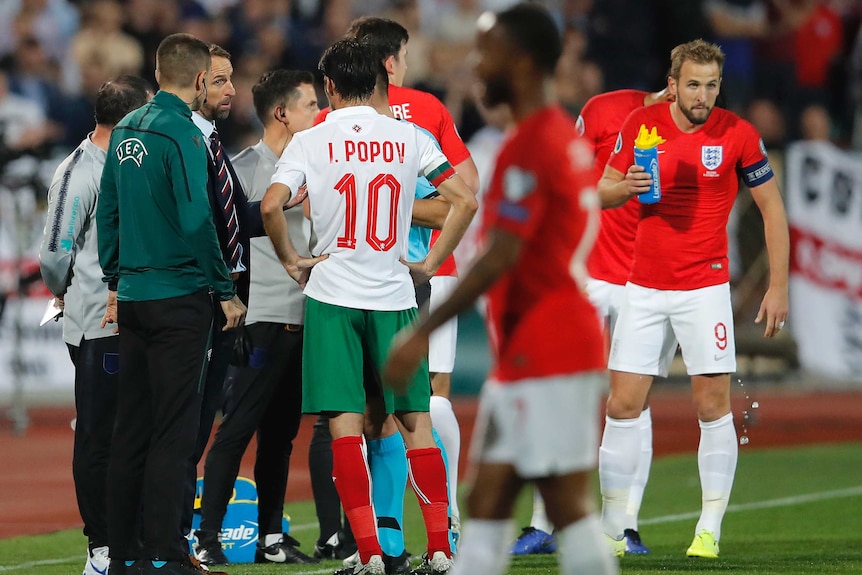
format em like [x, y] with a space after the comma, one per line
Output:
[224, 192]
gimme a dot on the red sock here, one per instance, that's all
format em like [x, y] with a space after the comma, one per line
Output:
[428, 477]
[350, 474]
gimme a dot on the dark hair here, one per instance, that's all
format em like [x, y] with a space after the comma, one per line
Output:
[389, 34]
[179, 59]
[352, 67]
[532, 29]
[378, 52]
[278, 88]
[119, 96]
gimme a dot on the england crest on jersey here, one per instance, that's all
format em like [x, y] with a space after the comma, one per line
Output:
[711, 156]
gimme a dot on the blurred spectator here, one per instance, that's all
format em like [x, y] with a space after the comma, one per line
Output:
[577, 80]
[768, 120]
[148, 22]
[735, 25]
[819, 40]
[407, 13]
[622, 39]
[101, 50]
[23, 126]
[51, 22]
[815, 124]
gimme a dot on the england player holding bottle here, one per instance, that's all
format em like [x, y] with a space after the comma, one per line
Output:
[679, 286]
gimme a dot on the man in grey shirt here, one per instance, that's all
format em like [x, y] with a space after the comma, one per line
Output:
[69, 261]
[266, 395]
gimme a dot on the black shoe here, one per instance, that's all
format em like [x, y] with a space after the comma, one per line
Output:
[120, 567]
[336, 547]
[284, 551]
[202, 569]
[209, 550]
[398, 565]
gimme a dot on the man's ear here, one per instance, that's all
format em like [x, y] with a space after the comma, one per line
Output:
[389, 64]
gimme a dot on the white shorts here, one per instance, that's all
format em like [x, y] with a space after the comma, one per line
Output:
[607, 298]
[441, 345]
[542, 427]
[652, 321]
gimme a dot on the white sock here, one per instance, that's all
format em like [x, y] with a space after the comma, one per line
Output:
[443, 420]
[271, 539]
[584, 550]
[540, 516]
[636, 494]
[484, 547]
[618, 458]
[716, 460]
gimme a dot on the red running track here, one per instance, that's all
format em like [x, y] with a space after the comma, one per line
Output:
[37, 494]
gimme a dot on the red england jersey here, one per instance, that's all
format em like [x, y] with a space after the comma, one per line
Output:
[599, 123]
[681, 241]
[540, 322]
[426, 111]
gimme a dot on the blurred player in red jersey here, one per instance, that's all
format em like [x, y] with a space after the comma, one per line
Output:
[608, 266]
[679, 285]
[538, 413]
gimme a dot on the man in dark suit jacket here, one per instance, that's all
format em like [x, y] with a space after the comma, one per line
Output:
[236, 220]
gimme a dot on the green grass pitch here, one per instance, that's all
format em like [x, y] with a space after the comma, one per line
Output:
[793, 511]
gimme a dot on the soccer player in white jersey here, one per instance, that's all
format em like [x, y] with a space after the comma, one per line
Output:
[360, 169]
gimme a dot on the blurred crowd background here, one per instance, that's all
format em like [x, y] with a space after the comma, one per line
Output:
[793, 66]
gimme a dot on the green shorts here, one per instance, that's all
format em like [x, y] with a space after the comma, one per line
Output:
[336, 344]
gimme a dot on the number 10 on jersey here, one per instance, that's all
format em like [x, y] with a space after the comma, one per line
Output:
[381, 184]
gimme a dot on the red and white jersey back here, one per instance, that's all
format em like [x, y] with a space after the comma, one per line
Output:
[599, 123]
[539, 319]
[361, 169]
[681, 241]
[426, 111]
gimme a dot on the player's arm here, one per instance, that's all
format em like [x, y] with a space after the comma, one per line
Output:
[410, 347]
[616, 188]
[775, 304]
[275, 224]
[65, 226]
[469, 173]
[430, 212]
[287, 177]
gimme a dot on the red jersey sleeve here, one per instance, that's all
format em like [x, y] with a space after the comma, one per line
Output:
[754, 167]
[520, 205]
[450, 140]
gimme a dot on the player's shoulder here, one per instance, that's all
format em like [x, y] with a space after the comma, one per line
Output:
[728, 123]
[248, 157]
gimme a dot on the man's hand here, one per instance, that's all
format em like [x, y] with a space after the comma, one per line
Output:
[637, 180]
[234, 313]
[419, 271]
[297, 198]
[60, 302]
[300, 270]
[406, 354]
[774, 309]
[111, 311]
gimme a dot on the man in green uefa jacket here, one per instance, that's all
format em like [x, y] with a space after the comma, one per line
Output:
[161, 259]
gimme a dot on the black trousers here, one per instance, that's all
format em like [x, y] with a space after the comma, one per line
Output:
[211, 403]
[263, 397]
[163, 349]
[96, 375]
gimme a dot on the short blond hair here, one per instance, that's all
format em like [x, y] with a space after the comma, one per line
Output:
[698, 51]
